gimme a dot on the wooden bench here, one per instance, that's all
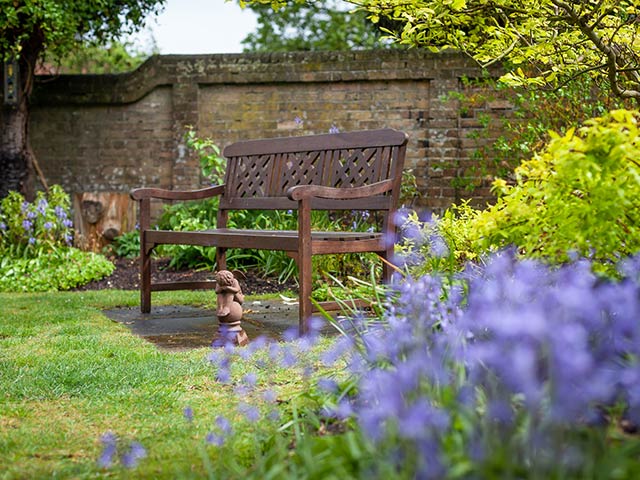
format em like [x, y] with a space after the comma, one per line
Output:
[337, 171]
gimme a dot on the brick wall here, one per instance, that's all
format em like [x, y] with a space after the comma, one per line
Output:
[116, 132]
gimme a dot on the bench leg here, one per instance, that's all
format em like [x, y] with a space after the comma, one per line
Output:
[145, 281]
[306, 310]
[221, 258]
[304, 263]
[387, 271]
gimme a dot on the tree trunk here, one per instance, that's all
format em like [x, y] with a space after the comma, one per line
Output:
[16, 166]
[17, 171]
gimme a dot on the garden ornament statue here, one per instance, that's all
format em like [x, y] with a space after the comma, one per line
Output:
[229, 310]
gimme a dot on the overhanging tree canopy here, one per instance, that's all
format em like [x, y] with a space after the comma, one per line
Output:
[319, 25]
[28, 28]
[544, 42]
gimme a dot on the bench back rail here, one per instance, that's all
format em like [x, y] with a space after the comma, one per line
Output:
[261, 172]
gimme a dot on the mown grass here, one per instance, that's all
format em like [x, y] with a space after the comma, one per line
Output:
[68, 374]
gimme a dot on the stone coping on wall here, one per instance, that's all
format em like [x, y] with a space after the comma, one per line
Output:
[252, 68]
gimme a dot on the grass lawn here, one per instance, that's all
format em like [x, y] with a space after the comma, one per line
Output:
[68, 375]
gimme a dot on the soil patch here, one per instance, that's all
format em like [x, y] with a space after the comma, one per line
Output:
[126, 276]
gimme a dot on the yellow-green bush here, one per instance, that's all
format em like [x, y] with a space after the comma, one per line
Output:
[579, 196]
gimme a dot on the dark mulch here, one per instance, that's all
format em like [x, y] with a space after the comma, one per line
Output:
[126, 276]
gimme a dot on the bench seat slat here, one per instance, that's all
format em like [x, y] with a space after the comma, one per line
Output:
[380, 202]
[183, 285]
[284, 240]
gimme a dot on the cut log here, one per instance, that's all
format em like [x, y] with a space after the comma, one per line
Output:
[100, 217]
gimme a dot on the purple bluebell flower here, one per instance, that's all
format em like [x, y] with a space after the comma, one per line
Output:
[27, 224]
[372, 420]
[32, 240]
[250, 412]
[223, 375]
[48, 225]
[213, 438]
[289, 357]
[338, 350]
[67, 223]
[559, 341]
[132, 457]
[250, 379]
[42, 206]
[327, 385]
[60, 212]
[334, 129]
[24, 206]
[224, 425]
[290, 334]
[298, 121]
[254, 346]
[188, 414]
[31, 214]
[274, 415]
[438, 246]
[421, 420]
[269, 396]
[109, 449]
[3, 226]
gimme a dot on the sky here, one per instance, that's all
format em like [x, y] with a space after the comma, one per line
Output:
[199, 26]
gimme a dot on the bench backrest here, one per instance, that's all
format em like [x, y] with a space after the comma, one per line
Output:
[259, 172]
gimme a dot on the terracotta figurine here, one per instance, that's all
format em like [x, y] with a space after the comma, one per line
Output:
[229, 310]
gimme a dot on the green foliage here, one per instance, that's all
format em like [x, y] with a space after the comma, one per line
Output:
[212, 164]
[409, 192]
[545, 42]
[201, 215]
[116, 57]
[61, 269]
[194, 215]
[535, 113]
[29, 27]
[321, 25]
[35, 249]
[579, 196]
[442, 244]
[126, 245]
[27, 229]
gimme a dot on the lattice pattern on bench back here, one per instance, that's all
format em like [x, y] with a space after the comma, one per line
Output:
[261, 171]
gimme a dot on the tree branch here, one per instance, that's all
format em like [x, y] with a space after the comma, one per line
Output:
[598, 42]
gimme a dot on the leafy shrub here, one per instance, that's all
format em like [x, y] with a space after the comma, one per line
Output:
[126, 245]
[536, 112]
[440, 244]
[35, 245]
[578, 196]
[60, 269]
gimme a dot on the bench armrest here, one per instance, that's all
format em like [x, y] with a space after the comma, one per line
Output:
[163, 194]
[306, 191]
